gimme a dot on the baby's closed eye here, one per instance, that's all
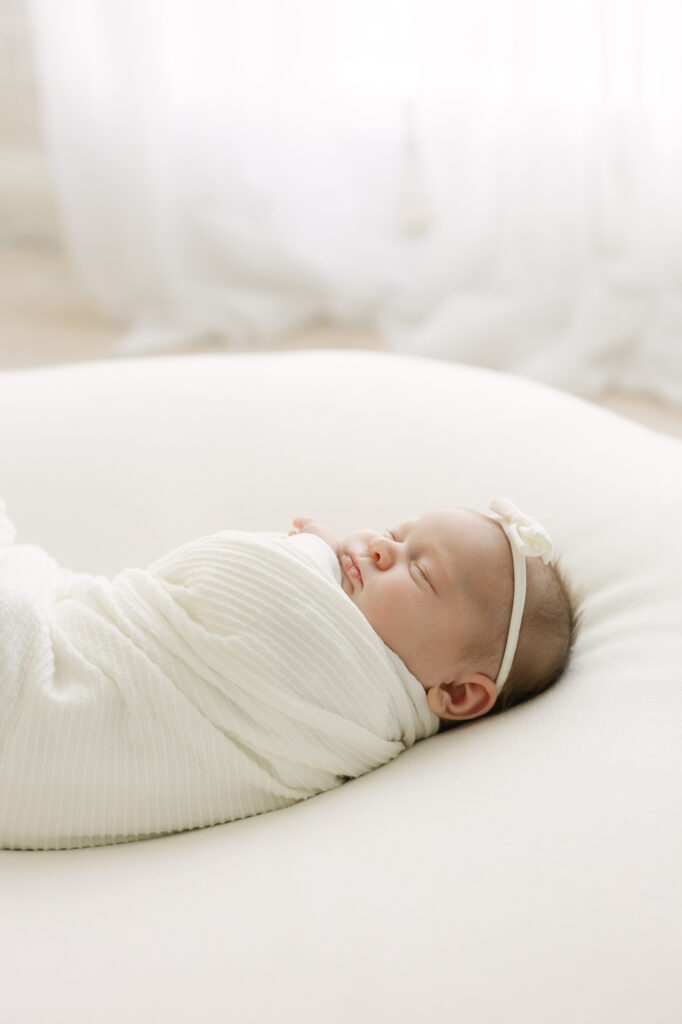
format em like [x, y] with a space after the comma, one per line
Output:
[423, 575]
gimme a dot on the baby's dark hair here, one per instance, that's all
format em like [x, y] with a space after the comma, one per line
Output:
[548, 631]
[549, 625]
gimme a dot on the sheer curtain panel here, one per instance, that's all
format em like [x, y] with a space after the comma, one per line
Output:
[496, 183]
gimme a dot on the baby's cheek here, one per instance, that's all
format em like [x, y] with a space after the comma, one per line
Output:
[395, 618]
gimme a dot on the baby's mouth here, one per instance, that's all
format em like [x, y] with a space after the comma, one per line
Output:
[351, 569]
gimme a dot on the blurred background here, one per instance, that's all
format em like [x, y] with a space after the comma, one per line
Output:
[494, 183]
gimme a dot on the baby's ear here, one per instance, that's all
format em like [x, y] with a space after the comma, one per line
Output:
[469, 697]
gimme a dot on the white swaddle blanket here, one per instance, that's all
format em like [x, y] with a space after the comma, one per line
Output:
[232, 677]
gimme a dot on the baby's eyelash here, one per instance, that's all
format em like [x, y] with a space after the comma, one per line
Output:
[424, 575]
[391, 534]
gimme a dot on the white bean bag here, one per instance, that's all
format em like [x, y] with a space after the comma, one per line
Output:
[520, 868]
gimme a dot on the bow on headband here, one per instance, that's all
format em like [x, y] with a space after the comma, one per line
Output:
[524, 532]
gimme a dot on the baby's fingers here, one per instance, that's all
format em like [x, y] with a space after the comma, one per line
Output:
[301, 523]
[307, 524]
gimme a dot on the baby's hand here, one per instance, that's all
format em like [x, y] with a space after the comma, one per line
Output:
[308, 524]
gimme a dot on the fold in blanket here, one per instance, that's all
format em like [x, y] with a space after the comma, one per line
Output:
[232, 677]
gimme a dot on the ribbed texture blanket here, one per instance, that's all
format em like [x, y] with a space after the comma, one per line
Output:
[232, 677]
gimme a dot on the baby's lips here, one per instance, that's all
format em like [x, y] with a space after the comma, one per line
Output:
[350, 568]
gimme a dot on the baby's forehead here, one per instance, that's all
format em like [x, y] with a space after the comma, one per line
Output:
[456, 527]
[471, 539]
[453, 519]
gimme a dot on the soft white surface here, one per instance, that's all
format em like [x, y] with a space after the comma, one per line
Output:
[523, 868]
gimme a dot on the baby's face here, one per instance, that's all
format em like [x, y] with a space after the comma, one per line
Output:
[425, 585]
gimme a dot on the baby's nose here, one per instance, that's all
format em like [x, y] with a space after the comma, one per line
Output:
[382, 550]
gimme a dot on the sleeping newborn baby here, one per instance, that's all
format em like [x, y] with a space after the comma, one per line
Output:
[447, 593]
[244, 672]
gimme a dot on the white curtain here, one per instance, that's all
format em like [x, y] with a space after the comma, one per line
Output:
[497, 182]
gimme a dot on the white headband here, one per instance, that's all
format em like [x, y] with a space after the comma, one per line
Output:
[526, 538]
